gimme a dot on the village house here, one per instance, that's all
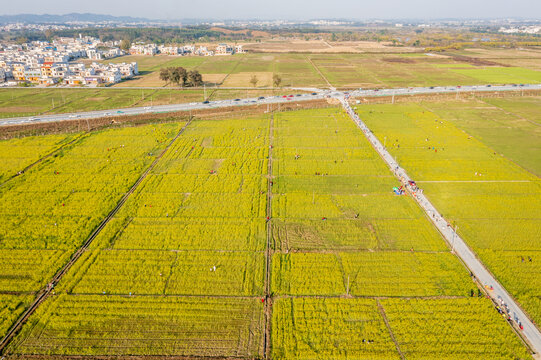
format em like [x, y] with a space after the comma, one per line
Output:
[224, 49]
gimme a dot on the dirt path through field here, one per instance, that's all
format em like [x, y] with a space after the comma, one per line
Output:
[268, 249]
[49, 288]
[509, 112]
[320, 73]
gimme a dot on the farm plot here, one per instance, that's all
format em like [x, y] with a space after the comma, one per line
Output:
[17, 154]
[331, 191]
[181, 269]
[495, 203]
[509, 126]
[48, 211]
[31, 102]
[210, 186]
[52, 208]
[312, 328]
[114, 325]
[370, 274]
[451, 329]
[343, 243]
[11, 307]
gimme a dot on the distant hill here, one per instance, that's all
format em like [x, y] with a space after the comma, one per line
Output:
[47, 18]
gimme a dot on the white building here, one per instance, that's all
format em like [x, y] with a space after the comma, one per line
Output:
[224, 49]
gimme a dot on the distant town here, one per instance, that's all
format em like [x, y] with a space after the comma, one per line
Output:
[44, 63]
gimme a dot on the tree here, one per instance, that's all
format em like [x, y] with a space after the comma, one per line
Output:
[195, 78]
[125, 44]
[276, 80]
[174, 75]
[165, 75]
[21, 40]
[254, 80]
[182, 76]
[49, 35]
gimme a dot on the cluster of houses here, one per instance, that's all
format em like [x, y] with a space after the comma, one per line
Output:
[153, 49]
[55, 63]
[51, 63]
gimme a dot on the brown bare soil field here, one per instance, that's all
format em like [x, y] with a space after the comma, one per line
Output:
[214, 78]
[477, 61]
[243, 79]
[399, 60]
[320, 46]
[152, 79]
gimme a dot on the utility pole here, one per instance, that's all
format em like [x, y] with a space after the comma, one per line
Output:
[204, 92]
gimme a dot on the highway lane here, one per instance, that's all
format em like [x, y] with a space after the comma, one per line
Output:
[159, 109]
[319, 94]
[494, 289]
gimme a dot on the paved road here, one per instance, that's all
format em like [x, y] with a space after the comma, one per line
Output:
[160, 109]
[458, 246]
[319, 94]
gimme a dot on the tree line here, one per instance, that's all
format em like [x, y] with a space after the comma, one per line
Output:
[181, 77]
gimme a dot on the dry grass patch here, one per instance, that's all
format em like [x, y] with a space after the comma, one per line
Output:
[243, 79]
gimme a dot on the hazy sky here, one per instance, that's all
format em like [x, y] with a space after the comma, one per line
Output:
[284, 9]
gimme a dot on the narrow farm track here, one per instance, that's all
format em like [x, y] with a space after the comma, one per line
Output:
[320, 73]
[268, 247]
[47, 291]
[55, 151]
[384, 316]
[213, 92]
[509, 112]
[530, 333]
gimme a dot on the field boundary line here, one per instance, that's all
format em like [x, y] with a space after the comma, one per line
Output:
[508, 112]
[320, 73]
[384, 316]
[459, 247]
[58, 149]
[45, 292]
[218, 87]
[268, 249]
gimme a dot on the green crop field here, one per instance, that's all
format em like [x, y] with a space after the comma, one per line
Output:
[510, 126]
[277, 234]
[495, 203]
[341, 70]
[222, 74]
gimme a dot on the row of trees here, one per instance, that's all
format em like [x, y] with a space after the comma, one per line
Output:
[276, 80]
[181, 77]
